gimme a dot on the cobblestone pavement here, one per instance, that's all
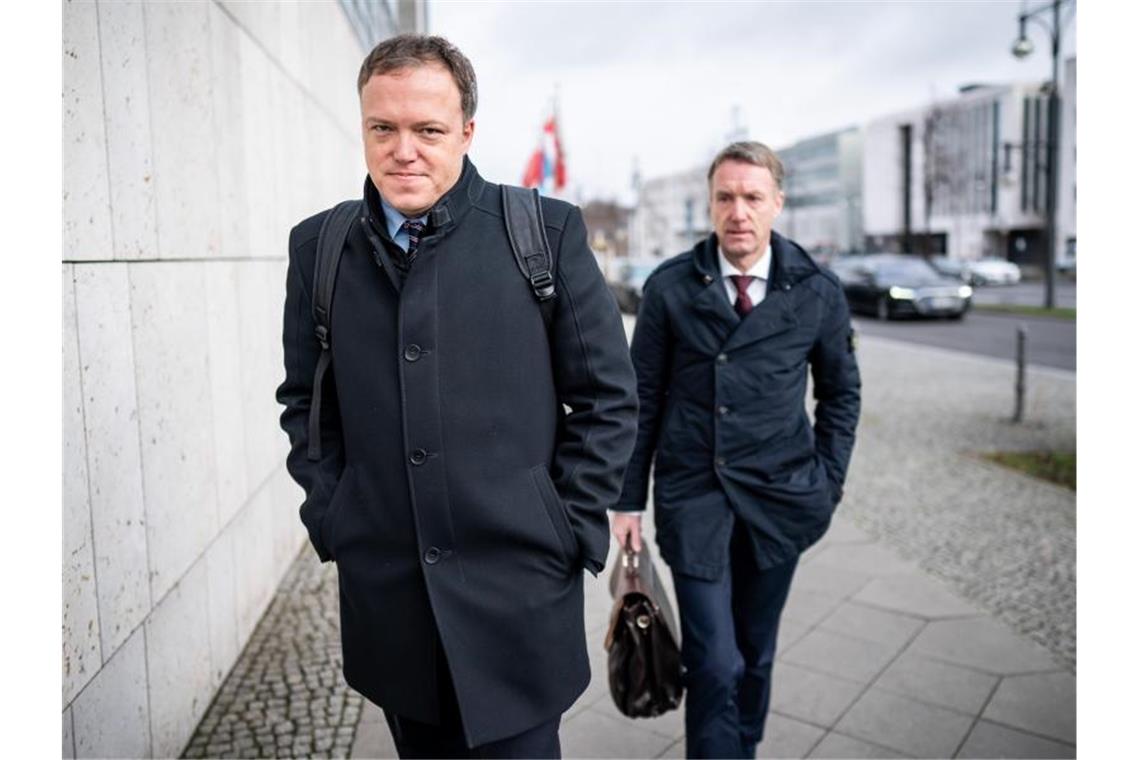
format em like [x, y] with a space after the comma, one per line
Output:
[1001, 539]
[286, 696]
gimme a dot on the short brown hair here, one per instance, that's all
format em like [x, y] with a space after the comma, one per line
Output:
[750, 152]
[410, 50]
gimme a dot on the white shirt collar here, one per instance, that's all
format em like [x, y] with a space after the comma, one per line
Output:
[760, 269]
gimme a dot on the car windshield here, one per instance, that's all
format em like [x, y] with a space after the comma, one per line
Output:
[905, 270]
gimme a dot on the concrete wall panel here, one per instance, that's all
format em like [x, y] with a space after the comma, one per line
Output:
[130, 161]
[168, 314]
[224, 646]
[262, 367]
[81, 649]
[112, 715]
[179, 674]
[224, 329]
[118, 513]
[86, 196]
[181, 105]
[257, 152]
[252, 554]
[229, 116]
[68, 735]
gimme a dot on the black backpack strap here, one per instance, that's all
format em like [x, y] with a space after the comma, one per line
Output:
[522, 209]
[330, 245]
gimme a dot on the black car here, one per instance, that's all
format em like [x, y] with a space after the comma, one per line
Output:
[889, 285]
[631, 277]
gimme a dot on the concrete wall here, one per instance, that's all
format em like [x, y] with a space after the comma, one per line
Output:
[196, 134]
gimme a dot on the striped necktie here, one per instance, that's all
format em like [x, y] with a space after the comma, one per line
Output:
[415, 230]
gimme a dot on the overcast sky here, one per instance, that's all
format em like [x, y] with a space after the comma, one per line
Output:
[659, 81]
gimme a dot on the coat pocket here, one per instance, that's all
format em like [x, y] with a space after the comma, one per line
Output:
[556, 512]
[343, 490]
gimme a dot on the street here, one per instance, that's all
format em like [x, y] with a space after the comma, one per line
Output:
[1050, 342]
[1028, 294]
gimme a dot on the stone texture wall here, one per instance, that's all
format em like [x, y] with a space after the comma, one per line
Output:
[195, 135]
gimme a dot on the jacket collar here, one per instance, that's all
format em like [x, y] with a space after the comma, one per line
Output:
[447, 211]
[790, 263]
[774, 315]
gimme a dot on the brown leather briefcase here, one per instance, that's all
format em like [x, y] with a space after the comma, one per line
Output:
[642, 641]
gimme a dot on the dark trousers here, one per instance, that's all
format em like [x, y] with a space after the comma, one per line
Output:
[728, 643]
[415, 739]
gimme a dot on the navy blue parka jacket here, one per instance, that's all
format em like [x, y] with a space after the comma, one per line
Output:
[722, 408]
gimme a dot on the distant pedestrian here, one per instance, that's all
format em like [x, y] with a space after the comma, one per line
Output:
[725, 339]
[468, 450]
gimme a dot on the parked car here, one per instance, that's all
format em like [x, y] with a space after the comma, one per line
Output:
[889, 285]
[992, 271]
[630, 280]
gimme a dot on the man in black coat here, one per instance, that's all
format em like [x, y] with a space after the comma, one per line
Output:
[725, 338]
[468, 451]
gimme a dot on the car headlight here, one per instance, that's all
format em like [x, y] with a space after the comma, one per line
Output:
[901, 294]
[965, 291]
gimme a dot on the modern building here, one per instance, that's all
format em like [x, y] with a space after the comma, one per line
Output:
[964, 176]
[195, 135]
[671, 214]
[823, 189]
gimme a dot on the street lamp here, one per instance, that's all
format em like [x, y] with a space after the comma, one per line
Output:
[1023, 47]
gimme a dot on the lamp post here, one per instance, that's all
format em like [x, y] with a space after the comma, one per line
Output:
[1023, 47]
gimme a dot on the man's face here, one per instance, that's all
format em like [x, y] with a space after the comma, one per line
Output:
[414, 135]
[743, 203]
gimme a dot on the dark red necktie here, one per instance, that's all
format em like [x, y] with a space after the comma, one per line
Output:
[743, 302]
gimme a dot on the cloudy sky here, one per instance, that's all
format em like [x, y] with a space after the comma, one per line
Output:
[658, 82]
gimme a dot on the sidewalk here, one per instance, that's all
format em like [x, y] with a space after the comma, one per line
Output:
[898, 639]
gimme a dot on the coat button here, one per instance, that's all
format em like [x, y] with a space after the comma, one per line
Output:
[720, 462]
[418, 457]
[722, 410]
[432, 555]
[413, 352]
[722, 359]
[787, 286]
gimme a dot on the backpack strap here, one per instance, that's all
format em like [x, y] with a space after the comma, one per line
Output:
[522, 209]
[330, 246]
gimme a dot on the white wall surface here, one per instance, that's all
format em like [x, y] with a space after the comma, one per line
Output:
[195, 135]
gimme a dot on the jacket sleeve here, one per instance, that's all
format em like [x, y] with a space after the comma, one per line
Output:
[836, 382]
[594, 378]
[302, 350]
[651, 351]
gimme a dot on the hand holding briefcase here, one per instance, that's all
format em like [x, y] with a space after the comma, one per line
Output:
[644, 656]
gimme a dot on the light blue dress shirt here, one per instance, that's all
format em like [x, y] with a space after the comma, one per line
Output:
[396, 222]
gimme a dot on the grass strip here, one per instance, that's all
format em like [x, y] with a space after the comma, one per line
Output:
[1059, 312]
[1058, 467]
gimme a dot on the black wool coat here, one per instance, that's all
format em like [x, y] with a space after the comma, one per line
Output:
[458, 497]
[722, 408]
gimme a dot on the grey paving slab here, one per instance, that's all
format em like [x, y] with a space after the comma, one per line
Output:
[991, 740]
[867, 559]
[840, 655]
[828, 579]
[788, 737]
[671, 725]
[985, 644]
[373, 739]
[938, 683]
[1044, 703]
[593, 734]
[809, 607]
[913, 728]
[844, 531]
[863, 622]
[790, 632]
[914, 594]
[814, 697]
[836, 745]
[675, 750]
